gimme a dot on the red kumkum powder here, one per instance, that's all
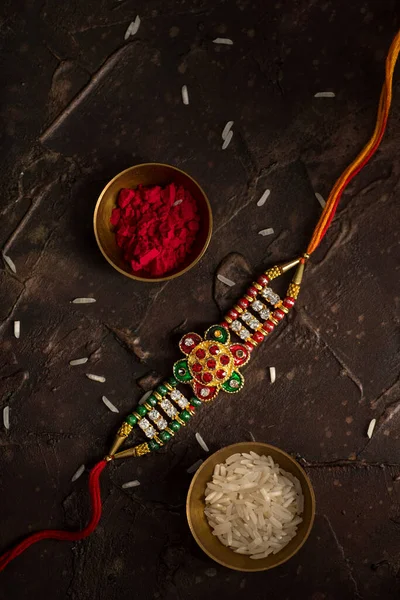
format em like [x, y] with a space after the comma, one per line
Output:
[155, 227]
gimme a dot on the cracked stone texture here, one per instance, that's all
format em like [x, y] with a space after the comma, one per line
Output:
[79, 104]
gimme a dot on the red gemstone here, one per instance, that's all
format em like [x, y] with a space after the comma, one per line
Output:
[211, 364]
[258, 336]
[207, 377]
[268, 326]
[191, 407]
[200, 353]
[233, 314]
[278, 314]
[249, 346]
[263, 280]
[221, 373]
[197, 367]
[214, 350]
[224, 324]
[224, 359]
[243, 303]
[288, 302]
[252, 291]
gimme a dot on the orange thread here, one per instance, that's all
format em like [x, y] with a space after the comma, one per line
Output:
[366, 153]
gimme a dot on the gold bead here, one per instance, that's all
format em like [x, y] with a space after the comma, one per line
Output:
[168, 386]
[238, 308]
[180, 421]
[169, 430]
[284, 309]
[157, 395]
[147, 406]
[252, 342]
[157, 439]
[271, 318]
[135, 414]
[125, 429]
[249, 298]
[228, 320]
[257, 286]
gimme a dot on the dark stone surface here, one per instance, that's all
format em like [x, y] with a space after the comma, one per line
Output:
[80, 104]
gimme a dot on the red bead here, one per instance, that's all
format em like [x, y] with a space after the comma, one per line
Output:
[288, 302]
[243, 303]
[262, 280]
[258, 336]
[192, 408]
[252, 291]
[233, 314]
[224, 324]
[200, 353]
[197, 367]
[224, 359]
[214, 350]
[221, 373]
[249, 346]
[278, 314]
[211, 364]
[207, 377]
[268, 326]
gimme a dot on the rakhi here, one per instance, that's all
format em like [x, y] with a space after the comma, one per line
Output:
[213, 363]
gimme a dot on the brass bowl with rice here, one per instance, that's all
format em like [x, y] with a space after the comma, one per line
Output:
[250, 506]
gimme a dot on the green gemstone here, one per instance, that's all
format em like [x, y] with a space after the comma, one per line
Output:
[131, 420]
[185, 415]
[181, 371]
[152, 400]
[172, 381]
[164, 436]
[195, 401]
[153, 445]
[174, 425]
[141, 410]
[162, 390]
[234, 383]
[217, 333]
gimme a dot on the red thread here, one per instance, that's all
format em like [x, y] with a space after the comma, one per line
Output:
[57, 534]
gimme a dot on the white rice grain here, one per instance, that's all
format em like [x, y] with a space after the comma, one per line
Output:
[226, 41]
[324, 95]
[9, 263]
[227, 140]
[193, 468]
[371, 428]
[133, 28]
[177, 202]
[78, 361]
[6, 417]
[202, 442]
[83, 301]
[145, 396]
[17, 329]
[252, 505]
[109, 404]
[320, 199]
[264, 198]
[272, 374]
[265, 232]
[226, 130]
[225, 280]
[98, 378]
[78, 473]
[185, 95]
[130, 484]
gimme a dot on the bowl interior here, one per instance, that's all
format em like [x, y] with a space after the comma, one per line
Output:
[149, 174]
[202, 531]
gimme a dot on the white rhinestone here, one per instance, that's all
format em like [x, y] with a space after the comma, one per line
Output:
[264, 314]
[236, 326]
[169, 408]
[147, 428]
[257, 305]
[182, 402]
[254, 323]
[233, 383]
[189, 342]
[244, 333]
[204, 392]
[175, 394]
[246, 317]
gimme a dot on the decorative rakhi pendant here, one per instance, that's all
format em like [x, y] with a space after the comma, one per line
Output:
[212, 363]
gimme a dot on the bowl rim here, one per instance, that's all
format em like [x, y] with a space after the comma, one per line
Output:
[166, 277]
[309, 486]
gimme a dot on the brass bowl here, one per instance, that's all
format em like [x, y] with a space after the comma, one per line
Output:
[149, 174]
[202, 532]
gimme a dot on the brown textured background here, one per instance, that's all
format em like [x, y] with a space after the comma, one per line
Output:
[78, 105]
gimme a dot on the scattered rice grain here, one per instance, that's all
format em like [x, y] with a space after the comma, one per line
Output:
[177, 202]
[194, 466]
[109, 404]
[268, 231]
[17, 329]
[83, 301]
[78, 473]
[264, 198]
[98, 378]
[202, 442]
[272, 374]
[226, 41]
[9, 263]
[324, 95]
[133, 28]
[145, 396]
[320, 199]
[227, 140]
[225, 280]
[226, 130]
[130, 484]
[78, 361]
[185, 95]
[6, 417]
[371, 428]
